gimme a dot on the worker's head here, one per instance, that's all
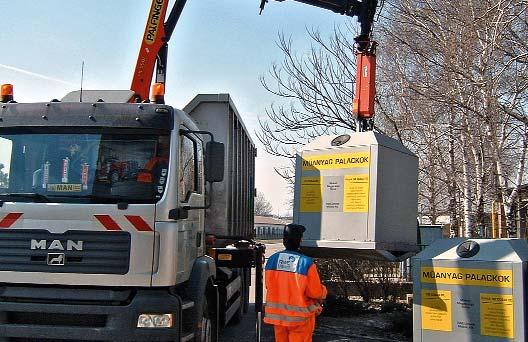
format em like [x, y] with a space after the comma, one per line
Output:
[292, 236]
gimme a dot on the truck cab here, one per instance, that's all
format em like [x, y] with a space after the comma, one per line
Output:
[106, 259]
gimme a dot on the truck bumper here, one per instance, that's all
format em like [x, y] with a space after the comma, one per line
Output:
[41, 314]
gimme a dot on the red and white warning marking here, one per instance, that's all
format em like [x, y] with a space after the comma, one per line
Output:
[137, 223]
[9, 220]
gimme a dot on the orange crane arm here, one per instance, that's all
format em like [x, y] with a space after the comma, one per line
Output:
[153, 51]
[150, 47]
[365, 90]
[154, 46]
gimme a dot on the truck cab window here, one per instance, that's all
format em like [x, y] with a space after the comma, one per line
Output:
[80, 167]
[188, 164]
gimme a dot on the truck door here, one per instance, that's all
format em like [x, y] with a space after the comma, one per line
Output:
[191, 192]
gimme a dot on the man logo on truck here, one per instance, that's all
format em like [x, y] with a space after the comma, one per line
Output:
[56, 259]
[57, 245]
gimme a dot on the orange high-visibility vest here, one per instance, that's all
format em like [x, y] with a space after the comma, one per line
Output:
[294, 289]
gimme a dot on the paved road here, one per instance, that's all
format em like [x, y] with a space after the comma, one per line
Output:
[245, 332]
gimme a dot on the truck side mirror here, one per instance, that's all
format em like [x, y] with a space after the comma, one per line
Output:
[214, 161]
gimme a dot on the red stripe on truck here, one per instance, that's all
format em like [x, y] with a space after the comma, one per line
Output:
[108, 222]
[9, 220]
[139, 223]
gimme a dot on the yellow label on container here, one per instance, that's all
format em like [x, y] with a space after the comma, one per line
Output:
[336, 161]
[467, 276]
[64, 187]
[311, 194]
[356, 194]
[436, 310]
[496, 315]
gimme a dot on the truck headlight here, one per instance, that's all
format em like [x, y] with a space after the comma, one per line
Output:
[154, 321]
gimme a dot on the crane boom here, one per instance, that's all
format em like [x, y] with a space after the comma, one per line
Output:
[154, 46]
[365, 49]
[363, 10]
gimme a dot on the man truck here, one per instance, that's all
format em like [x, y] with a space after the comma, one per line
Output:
[82, 258]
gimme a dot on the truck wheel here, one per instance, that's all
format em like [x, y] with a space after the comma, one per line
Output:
[206, 329]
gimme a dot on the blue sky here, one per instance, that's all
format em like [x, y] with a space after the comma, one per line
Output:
[219, 46]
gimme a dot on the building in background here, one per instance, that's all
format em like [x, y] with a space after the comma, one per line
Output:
[269, 227]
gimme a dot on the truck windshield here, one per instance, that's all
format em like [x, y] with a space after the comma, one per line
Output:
[94, 168]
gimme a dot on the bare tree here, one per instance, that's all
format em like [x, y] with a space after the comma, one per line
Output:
[456, 60]
[317, 91]
[452, 86]
[370, 278]
[262, 206]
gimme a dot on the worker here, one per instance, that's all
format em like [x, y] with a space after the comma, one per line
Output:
[294, 290]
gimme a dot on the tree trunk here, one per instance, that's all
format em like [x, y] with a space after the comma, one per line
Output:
[453, 217]
[468, 193]
[509, 200]
[479, 187]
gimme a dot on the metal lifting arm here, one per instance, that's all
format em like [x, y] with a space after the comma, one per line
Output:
[363, 10]
[153, 51]
[365, 90]
[154, 46]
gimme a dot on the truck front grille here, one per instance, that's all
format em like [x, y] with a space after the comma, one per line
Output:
[60, 319]
[89, 252]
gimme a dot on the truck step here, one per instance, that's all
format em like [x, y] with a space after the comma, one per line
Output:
[187, 304]
[187, 337]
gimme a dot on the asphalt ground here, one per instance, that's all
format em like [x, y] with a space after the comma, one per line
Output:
[326, 330]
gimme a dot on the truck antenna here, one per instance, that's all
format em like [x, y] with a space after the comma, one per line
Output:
[82, 78]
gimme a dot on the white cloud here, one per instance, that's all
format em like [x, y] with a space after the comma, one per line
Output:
[34, 74]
